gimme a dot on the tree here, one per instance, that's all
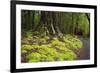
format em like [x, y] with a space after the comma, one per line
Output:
[52, 23]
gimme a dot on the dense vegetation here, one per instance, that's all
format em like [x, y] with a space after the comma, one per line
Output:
[52, 36]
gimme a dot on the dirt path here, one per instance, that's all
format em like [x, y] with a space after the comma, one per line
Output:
[84, 53]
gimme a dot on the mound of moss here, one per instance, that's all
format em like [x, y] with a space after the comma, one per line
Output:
[45, 49]
[73, 42]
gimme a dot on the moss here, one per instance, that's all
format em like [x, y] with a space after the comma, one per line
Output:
[46, 53]
[29, 34]
[55, 50]
[56, 42]
[72, 42]
[26, 47]
[23, 51]
[34, 57]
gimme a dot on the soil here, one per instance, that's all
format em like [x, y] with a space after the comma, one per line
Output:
[84, 53]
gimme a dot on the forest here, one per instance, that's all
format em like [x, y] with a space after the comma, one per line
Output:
[54, 36]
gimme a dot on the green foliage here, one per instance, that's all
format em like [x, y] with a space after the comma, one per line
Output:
[37, 17]
[36, 33]
[46, 53]
[45, 34]
[56, 42]
[84, 24]
[23, 51]
[73, 42]
[68, 55]
[68, 22]
[55, 50]
[26, 47]
[34, 57]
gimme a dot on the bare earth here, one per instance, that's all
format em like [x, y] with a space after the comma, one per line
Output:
[84, 53]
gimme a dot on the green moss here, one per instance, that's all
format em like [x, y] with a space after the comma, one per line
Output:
[23, 51]
[34, 57]
[72, 42]
[29, 34]
[46, 53]
[56, 42]
[26, 47]
[55, 50]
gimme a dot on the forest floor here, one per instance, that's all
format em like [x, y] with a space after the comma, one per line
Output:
[35, 50]
[84, 53]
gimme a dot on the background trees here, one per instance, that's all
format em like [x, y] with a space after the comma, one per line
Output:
[56, 23]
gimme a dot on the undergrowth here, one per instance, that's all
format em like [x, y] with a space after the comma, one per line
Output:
[45, 49]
